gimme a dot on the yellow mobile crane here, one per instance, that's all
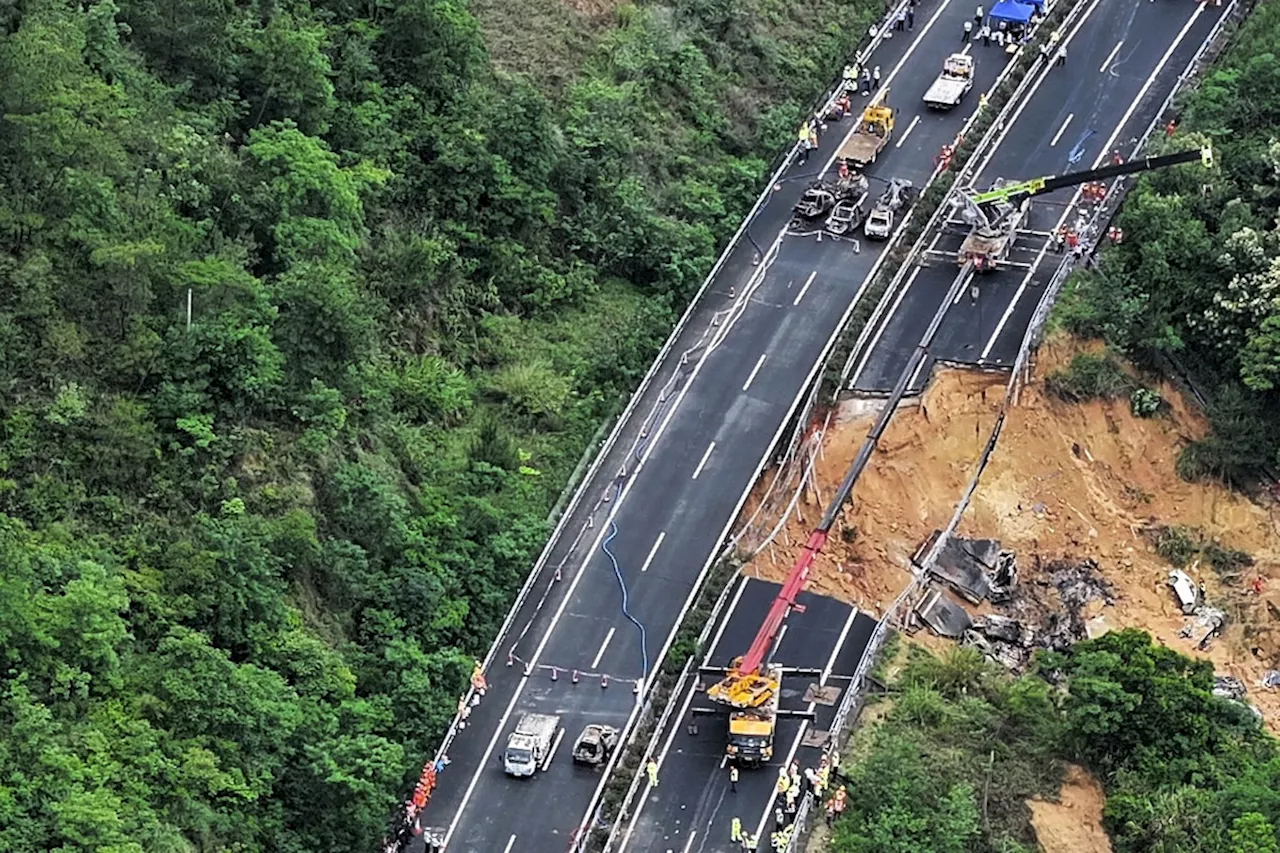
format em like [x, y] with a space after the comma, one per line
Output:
[996, 213]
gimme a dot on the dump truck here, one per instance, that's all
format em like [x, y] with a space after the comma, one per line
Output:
[751, 729]
[952, 84]
[529, 746]
[874, 130]
[595, 744]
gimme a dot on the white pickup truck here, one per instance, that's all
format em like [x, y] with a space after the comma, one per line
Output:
[952, 84]
[530, 745]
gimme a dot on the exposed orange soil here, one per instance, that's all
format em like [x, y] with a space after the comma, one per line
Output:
[1067, 481]
[1073, 824]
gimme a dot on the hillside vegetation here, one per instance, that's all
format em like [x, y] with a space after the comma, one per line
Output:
[1197, 279]
[247, 554]
[950, 767]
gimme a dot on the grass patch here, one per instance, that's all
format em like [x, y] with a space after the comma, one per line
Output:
[1090, 377]
[1181, 546]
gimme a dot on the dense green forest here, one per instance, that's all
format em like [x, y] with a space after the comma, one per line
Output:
[247, 555]
[949, 767]
[1196, 283]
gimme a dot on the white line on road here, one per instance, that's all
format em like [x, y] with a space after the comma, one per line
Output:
[705, 457]
[754, 371]
[555, 745]
[804, 725]
[875, 339]
[595, 662]
[1111, 56]
[649, 559]
[907, 132]
[1062, 129]
[511, 842]
[967, 46]
[805, 289]
[1102, 155]
[678, 720]
[1028, 98]
[693, 833]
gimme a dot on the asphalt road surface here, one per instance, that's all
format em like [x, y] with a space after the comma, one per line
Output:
[754, 343]
[1122, 62]
[691, 809]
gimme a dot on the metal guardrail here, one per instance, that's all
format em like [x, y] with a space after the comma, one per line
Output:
[1030, 342]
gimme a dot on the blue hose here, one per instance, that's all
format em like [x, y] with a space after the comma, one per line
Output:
[617, 571]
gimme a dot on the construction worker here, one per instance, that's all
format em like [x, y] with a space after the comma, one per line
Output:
[733, 778]
[866, 81]
[831, 811]
[911, 18]
[875, 76]
[985, 35]
[843, 171]
[735, 829]
[1116, 158]
[968, 30]
[803, 139]
[983, 100]
[652, 769]
[784, 781]
[977, 15]
[1170, 128]
[750, 843]
[850, 75]
[900, 22]
[1061, 58]
[775, 840]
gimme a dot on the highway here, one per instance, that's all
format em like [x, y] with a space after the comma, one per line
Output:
[693, 805]
[677, 475]
[1124, 57]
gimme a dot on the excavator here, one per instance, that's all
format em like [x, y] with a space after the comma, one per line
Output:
[996, 214]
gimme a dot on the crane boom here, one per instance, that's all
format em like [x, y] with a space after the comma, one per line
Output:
[1038, 186]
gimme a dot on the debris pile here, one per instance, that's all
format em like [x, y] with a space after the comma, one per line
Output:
[1056, 608]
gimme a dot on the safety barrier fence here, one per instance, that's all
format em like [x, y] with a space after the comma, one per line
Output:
[864, 664]
[580, 482]
[896, 612]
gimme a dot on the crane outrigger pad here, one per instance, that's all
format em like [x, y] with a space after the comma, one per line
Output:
[817, 738]
[820, 695]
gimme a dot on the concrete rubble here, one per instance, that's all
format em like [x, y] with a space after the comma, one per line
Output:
[1054, 610]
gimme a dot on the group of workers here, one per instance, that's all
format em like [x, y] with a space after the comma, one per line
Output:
[791, 787]
[1007, 35]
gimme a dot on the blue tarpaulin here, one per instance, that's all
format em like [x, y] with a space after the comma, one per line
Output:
[1012, 11]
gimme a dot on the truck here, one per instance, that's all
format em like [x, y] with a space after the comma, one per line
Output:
[529, 746]
[952, 84]
[874, 130]
[751, 729]
[879, 223]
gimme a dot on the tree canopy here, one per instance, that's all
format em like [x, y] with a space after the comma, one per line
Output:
[308, 310]
[1196, 281]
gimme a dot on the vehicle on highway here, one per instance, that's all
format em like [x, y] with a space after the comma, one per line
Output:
[595, 744]
[996, 214]
[896, 196]
[817, 201]
[875, 129]
[751, 729]
[847, 213]
[952, 84]
[529, 746]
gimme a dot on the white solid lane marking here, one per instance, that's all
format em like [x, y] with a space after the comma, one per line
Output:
[595, 662]
[1103, 154]
[754, 371]
[653, 550]
[511, 842]
[875, 339]
[554, 746]
[1111, 56]
[804, 725]
[677, 720]
[1028, 98]
[879, 96]
[693, 833]
[703, 463]
[1062, 129]
[907, 132]
[967, 45]
[805, 289]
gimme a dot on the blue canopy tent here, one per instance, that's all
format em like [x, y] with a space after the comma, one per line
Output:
[1013, 11]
